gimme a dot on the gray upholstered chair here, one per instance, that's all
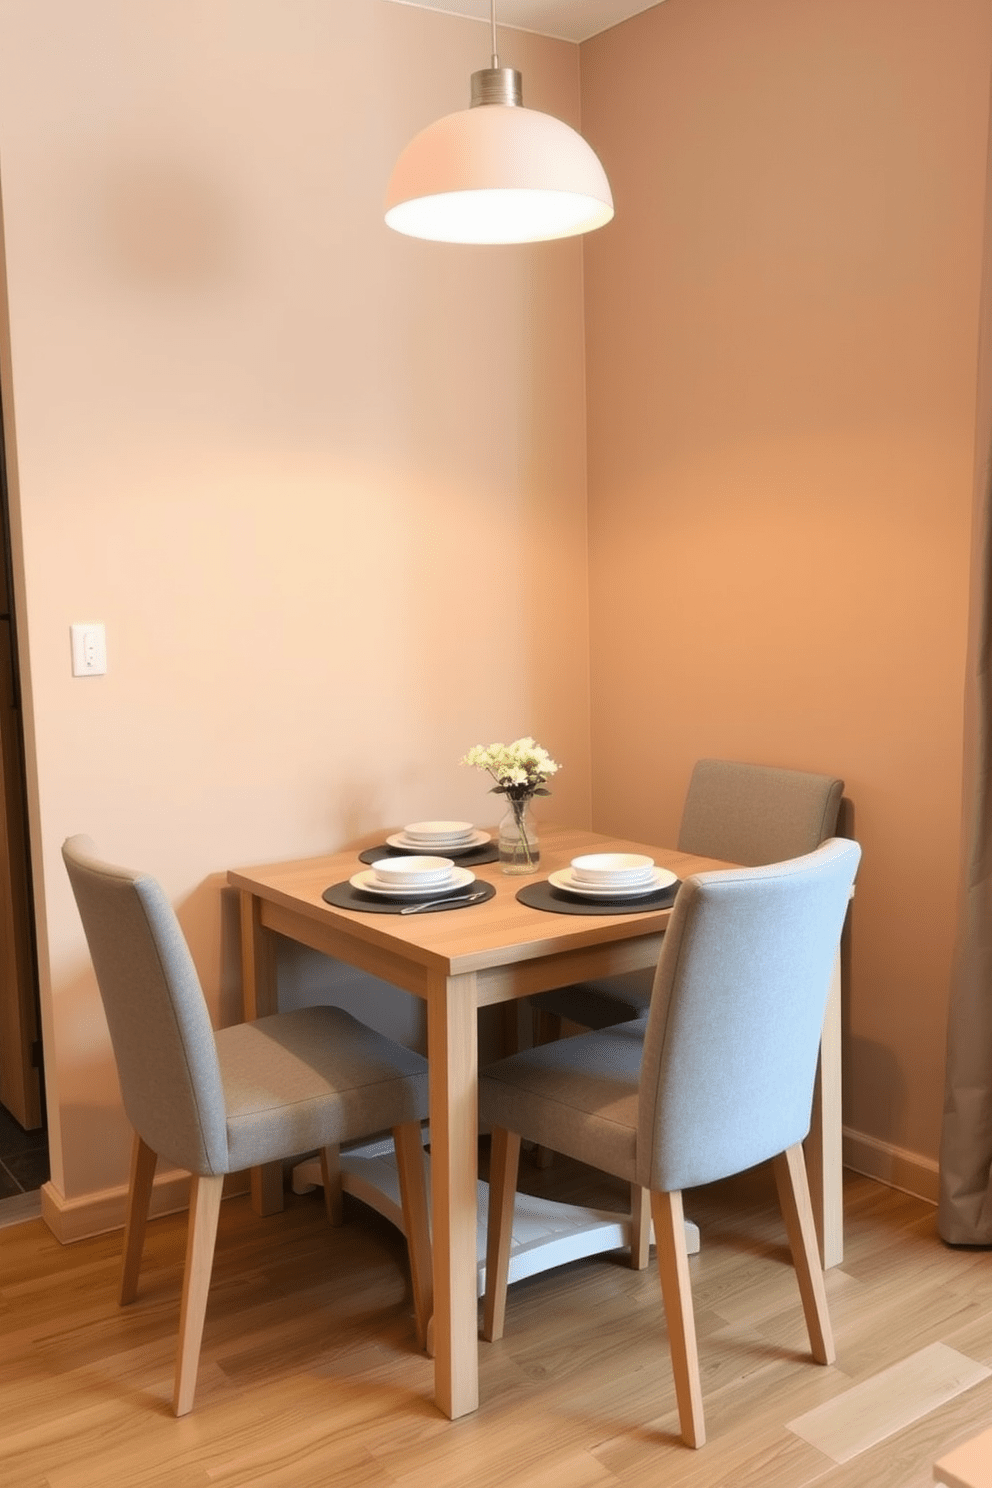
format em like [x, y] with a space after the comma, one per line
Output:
[217, 1103]
[744, 814]
[717, 1078]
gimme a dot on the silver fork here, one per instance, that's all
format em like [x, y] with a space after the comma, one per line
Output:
[433, 903]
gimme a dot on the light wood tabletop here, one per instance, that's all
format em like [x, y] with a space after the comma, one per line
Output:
[458, 961]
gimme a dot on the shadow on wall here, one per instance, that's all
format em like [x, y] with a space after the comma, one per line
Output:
[169, 226]
[308, 978]
[868, 1068]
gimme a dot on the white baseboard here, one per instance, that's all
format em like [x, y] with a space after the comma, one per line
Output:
[97, 1213]
[908, 1171]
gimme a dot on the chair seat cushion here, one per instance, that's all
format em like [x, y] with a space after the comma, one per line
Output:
[577, 1096]
[602, 1002]
[297, 1081]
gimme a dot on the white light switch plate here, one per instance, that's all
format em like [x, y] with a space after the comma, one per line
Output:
[89, 650]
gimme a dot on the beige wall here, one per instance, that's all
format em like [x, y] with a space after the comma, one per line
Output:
[781, 343]
[325, 486]
[249, 429]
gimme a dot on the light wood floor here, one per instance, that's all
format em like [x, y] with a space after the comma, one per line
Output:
[310, 1376]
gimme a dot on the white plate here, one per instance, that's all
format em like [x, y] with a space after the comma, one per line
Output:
[432, 842]
[616, 881]
[660, 879]
[431, 829]
[367, 882]
[445, 849]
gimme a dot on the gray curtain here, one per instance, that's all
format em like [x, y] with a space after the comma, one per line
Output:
[965, 1210]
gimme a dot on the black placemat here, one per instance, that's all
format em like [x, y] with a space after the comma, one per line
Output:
[346, 896]
[486, 852]
[544, 895]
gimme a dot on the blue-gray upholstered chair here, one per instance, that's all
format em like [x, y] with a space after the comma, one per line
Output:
[744, 814]
[717, 1078]
[218, 1103]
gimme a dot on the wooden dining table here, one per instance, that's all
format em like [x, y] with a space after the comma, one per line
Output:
[461, 960]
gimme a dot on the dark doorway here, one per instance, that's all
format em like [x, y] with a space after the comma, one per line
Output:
[23, 1146]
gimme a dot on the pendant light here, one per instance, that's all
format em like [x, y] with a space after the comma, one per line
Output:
[497, 172]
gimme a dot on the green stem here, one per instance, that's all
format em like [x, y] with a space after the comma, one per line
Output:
[519, 808]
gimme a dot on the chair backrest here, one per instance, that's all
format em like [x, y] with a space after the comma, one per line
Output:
[159, 1024]
[753, 814]
[732, 1037]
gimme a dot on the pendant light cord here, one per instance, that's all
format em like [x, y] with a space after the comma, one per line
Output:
[492, 15]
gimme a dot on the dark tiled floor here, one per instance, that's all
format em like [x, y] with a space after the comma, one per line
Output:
[23, 1157]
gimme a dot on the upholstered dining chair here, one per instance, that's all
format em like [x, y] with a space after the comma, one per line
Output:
[218, 1103]
[744, 814]
[716, 1079]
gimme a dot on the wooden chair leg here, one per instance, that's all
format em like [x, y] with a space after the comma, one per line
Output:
[504, 1162]
[330, 1176]
[673, 1268]
[204, 1211]
[546, 1026]
[542, 1157]
[408, 1141]
[546, 1029]
[139, 1195]
[509, 1032]
[640, 1227]
[800, 1226]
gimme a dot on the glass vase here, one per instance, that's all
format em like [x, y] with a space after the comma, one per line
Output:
[519, 849]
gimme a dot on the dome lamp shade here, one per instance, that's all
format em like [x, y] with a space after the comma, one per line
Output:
[497, 173]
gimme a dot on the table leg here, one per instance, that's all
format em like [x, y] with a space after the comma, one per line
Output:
[824, 1145]
[260, 997]
[452, 1046]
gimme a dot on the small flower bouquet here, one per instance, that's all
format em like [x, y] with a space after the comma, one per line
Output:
[521, 771]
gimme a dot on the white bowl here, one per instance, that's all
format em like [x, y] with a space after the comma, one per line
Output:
[608, 869]
[413, 873]
[438, 831]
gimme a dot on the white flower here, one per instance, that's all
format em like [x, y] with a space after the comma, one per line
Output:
[519, 769]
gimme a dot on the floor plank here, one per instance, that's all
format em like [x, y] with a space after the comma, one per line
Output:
[310, 1373]
[882, 1405]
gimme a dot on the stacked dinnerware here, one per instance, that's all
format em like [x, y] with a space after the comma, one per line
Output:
[435, 836]
[448, 837]
[612, 870]
[428, 873]
[612, 876]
